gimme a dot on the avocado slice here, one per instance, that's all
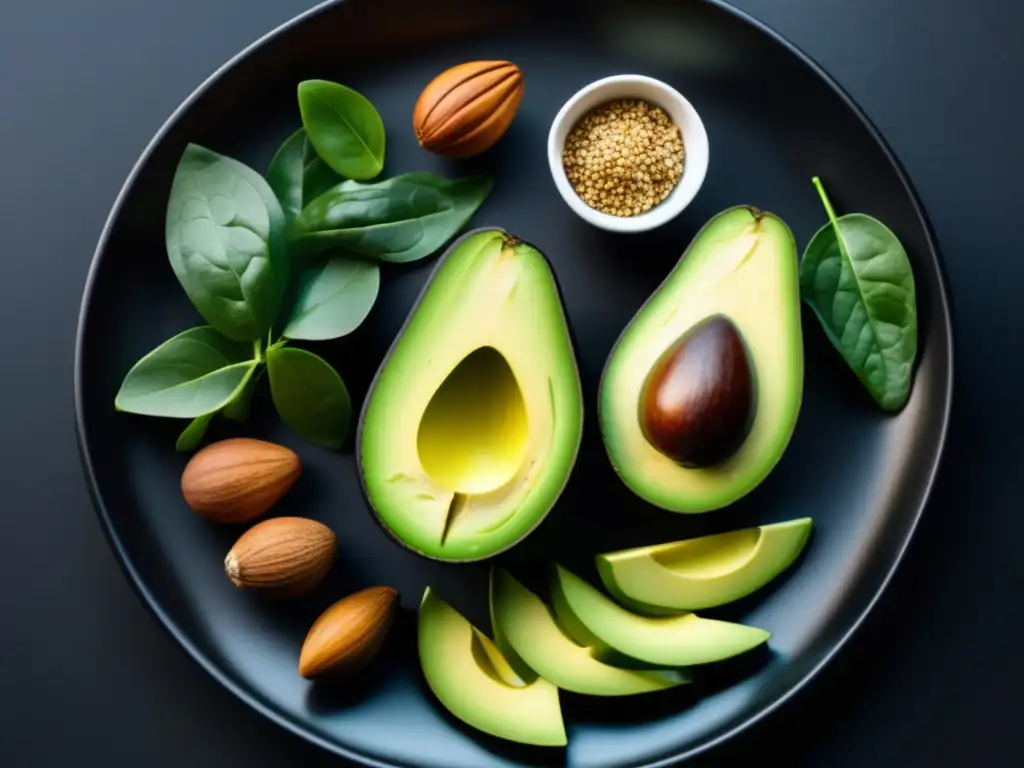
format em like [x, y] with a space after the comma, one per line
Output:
[473, 421]
[526, 629]
[700, 394]
[459, 664]
[704, 572]
[677, 641]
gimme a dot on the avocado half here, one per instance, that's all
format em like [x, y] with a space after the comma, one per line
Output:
[704, 572]
[735, 294]
[473, 422]
[470, 677]
[682, 640]
[526, 631]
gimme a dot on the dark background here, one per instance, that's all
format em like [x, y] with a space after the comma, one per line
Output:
[932, 679]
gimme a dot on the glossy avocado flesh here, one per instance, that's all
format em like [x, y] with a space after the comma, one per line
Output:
[473, 422]
[458, 662]
[675, 641]
[705, 572]
[526, 630]
[700, 394]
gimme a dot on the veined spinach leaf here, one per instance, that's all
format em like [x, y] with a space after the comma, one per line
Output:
[227, 243]
[335, 296]
[402, 219]
[297, 174]
[344, 127]
[194, 433]
[857, 278]
[309, 395]
[195, 373]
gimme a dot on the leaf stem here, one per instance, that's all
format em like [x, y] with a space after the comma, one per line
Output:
[257, 351]
[824, 199]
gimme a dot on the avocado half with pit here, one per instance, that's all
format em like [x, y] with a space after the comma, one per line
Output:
[704, 572]
[469, 675]
[683, 640]
[527, 633]
[473, 422]
[700, 394]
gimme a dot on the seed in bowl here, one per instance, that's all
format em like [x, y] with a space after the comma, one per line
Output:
[624, 157]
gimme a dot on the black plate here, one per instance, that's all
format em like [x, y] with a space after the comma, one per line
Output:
[774, 120]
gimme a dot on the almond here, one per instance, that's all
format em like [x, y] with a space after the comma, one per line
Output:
[284, 555]
[348, 635]
[237, 480]
[466, 109]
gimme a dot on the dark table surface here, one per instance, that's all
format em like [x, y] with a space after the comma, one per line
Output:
[931, 680]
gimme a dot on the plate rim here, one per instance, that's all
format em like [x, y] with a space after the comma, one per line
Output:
[298, 727]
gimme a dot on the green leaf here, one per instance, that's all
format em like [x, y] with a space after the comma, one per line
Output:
[226, 240]
[857, 278]
[344, 127]
[238, 409]
[194, 433]
[402, 219]
[309, 395]
[197, 372]
[335, 296]
[297, 174]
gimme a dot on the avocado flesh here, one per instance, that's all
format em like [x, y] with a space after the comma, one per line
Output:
[472, 426]
[456, 659]
[526, 625]
[676, 641]
[741, 265]
[705, 572]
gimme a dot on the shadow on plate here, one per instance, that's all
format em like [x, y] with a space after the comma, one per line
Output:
[514, 752]
[330, 694]
[397, 659]
[708, 680]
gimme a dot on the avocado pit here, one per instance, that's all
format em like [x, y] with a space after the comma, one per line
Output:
[697, 403]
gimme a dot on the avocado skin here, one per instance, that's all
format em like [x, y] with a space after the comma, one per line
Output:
[452, 248]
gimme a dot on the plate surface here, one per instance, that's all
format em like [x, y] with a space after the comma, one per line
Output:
[774, 120]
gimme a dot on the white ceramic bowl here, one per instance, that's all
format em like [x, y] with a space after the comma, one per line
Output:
[695, 141]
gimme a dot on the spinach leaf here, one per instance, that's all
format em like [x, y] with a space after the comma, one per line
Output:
[344, 127]
[297, 174]
[857, 278]
[238, 409]
[226, 239]
[402, 219]
[197, 372]
[194, 433]
[309, 395]
[335, 296]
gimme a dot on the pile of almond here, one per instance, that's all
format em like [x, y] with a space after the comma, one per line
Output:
[239, 479]
[462, 112]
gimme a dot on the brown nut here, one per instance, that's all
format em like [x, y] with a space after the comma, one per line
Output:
[237, 480]
[284, 556]
[347, 636]
[466, 109]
